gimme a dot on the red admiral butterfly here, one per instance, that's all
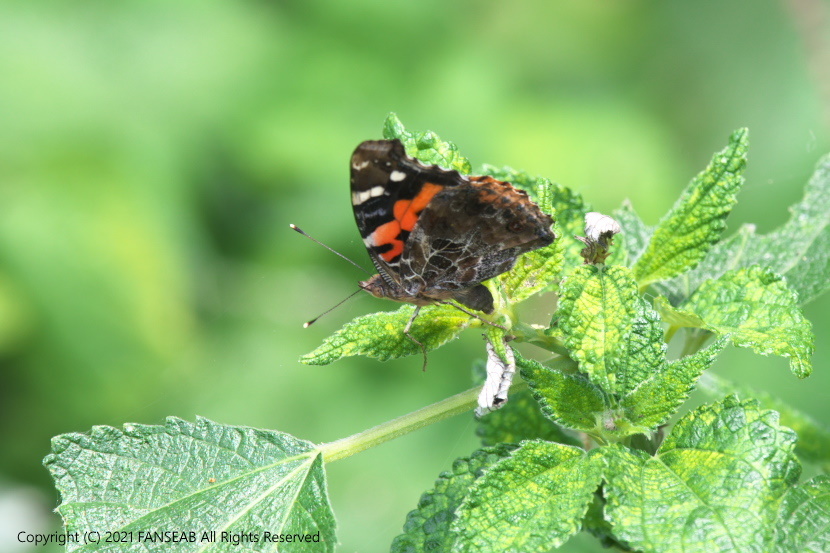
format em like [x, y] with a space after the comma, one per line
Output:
[435, 235]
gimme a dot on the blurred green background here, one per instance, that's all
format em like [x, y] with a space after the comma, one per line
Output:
[153, 153]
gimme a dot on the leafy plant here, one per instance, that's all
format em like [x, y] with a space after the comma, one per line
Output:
[585, 442]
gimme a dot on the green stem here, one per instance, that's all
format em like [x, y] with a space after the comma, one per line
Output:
[694, 341]
[430, 414]
[530, 335]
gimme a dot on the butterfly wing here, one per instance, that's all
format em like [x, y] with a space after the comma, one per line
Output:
[469, 234]
[389, 192]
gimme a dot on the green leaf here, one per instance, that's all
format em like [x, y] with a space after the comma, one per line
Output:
[715, 484]
[567, 398]
[799, 250]
[380, 335]
[597, 307]
[192, 477]
[426, 146]
[658, 396]
[698, 218]
[427, 528]
[635, 233]
[804, 520]
[813, 437]
[532, 501]
[757, 309]
[520, 419]
[644, 352]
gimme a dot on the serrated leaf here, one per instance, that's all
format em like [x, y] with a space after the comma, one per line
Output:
[804, 520]
[658, 396]
[427, 528]
[645, 352]
[569, 399]
[757, 309]
[799, 250]
[380, 335]
[426, 146]
[597, 307]
[520, 419]
[813, 437]
[534, 271]
[698, 218]
[191, 477]
[715, 484]
[532, 501]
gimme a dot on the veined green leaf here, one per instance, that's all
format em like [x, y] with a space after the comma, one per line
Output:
[597, 307]
[645, 351]
[804, 520]
[427, 528]
[532, 501]
[533, 272]
[799, 250]
[426, 146]
[715, 484]
[813, 437]
[567, 398]
[757, 309]
[658, 396]
[520, 419]
[192, 477]
[697, 220]
[380, 335]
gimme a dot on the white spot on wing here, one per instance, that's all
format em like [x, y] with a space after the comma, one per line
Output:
[397, 176]
[360, 166]
[360, 196]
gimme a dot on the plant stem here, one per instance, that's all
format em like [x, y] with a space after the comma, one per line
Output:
[430, 414]
[694, 341]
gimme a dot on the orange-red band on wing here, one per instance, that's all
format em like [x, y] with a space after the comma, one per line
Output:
[407, 211]
[406, 215]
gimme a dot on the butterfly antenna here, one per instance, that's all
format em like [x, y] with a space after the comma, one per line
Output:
[301, 231]
[330, 309]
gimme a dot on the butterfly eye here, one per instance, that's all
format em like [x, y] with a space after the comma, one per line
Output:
[515, 226]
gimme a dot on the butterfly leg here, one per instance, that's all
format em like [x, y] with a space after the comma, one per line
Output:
[411, 337]
[471, 314]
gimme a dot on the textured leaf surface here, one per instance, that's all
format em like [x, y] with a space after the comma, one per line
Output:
[520, 419]
[532, 501]
[658, 396]
[567, 398]
[804, 520]
[427, 528]
[757, 309]
[715, 484]
[813, 436]
[380, 335]
[597, 308]
[426, 146]
[799, 250]
[644, 352]
[185, 476]
[697, 220]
